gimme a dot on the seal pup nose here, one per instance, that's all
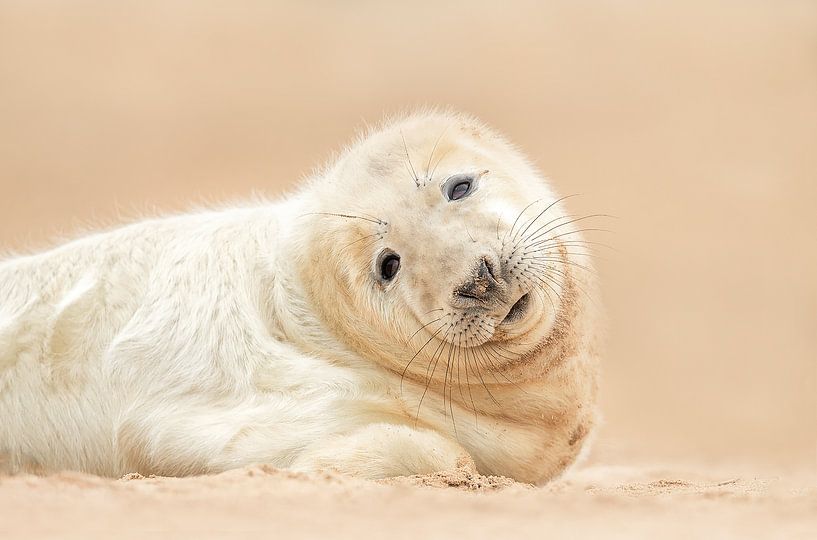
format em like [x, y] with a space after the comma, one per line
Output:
[482, 287]
[486, 270]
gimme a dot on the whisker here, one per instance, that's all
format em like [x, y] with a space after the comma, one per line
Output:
[538, 260]
[360, 240]
[449, 367]
[347, 216]
[577, 231]
[551, 205]
[487, 362]
[567, 276]
[479, 372]
[490, 343]
[405, 369]
[369, 244]
[531, 238]
[544, 251]
[457, 360]
[500, 347]
[513, 226]
[541, 281]
[526, 239]
[586, 244]
[514, 383]
[538, 290]
[418, 330]
[442, 157]
[431, 155]
[468, 385]
[440, 348]
[411, 166]
[371, 216]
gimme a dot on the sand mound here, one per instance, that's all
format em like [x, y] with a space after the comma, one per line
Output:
[461, 479]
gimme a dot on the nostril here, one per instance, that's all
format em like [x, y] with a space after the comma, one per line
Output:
[487, 267]
[463, 293]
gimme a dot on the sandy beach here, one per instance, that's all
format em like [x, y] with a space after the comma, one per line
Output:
[595, 502]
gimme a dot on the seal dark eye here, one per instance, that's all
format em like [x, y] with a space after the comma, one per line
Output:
[460, 190]
[389, 266]
[458, 187]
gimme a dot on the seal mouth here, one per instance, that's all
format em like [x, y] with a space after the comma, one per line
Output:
[518, 310]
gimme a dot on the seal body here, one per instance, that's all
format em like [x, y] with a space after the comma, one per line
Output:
[416, 306]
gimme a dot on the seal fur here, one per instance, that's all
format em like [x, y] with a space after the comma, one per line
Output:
[265, 333]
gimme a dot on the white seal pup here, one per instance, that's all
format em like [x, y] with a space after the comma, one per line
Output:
[417, 306]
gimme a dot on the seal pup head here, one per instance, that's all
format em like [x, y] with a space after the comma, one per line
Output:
[433, 241]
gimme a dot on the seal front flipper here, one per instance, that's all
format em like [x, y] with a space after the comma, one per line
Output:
[383, 451]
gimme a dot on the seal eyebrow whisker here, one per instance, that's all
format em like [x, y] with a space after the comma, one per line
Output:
[431, 155]
[373, 217]
[366, 246]
[369, 236]
[408, 158]
[347, 216]
[442, 157]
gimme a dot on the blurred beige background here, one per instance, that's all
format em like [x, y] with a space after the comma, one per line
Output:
[694, 122]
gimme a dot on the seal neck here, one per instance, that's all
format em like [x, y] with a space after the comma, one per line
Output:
[288, 309]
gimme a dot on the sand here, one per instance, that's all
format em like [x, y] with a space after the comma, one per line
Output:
[594, 502]
[693, 121]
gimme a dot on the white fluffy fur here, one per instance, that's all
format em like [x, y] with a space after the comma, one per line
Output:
[218, 339]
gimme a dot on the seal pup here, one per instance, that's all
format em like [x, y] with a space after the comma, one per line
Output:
[418, 305]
